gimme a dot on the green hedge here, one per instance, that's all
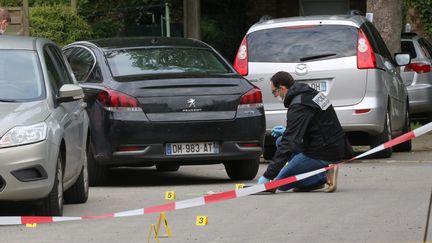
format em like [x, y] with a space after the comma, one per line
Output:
[424, 8]
[58, 23]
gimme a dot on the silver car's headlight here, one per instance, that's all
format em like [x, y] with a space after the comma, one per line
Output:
[24, 135]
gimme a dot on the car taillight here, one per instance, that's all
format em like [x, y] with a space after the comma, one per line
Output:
[418, 67]
[114, 100]
[241, 60]
[365, 55]
[253, 98]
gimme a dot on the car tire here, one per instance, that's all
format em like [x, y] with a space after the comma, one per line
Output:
[52, 205]
[242, 169]
[78, 192]
[406, 146]
[269, 152]
[97, 174]
[382, 138]
[164, 168]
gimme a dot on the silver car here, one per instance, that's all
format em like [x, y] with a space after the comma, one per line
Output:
[342, 56]
[417, 76]
[43, 127]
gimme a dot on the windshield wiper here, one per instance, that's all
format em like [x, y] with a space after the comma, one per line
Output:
[317, 56]
[7, 100]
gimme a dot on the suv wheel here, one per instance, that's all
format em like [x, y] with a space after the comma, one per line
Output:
[382, 138]
[78, 193]
[406, 146]
[242, 169]
[97, 173]
[52, 205]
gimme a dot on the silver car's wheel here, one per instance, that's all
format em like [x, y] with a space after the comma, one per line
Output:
[406, 146]
[52, 205]
[385, 136]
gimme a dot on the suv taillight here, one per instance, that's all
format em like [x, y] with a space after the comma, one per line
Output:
[418, 67]
[241, 60]
[114, 100]
[253, 98]
[365, 54]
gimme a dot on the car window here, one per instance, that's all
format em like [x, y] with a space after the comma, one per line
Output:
[293, 44]
[82, 62]
[20, 76]
[408, 46]
[61, 66]
[142, 61]
[53, 75]
[426, 50]
[379, 42]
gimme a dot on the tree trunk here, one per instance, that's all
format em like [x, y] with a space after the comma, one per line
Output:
[387, 18]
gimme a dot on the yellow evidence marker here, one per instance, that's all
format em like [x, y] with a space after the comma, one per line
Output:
[239, 186]
[201, 220]
[170, 195]
[33, 225]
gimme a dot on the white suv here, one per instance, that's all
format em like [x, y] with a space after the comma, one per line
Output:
[342, 56]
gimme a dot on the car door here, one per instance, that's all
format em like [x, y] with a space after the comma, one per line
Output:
[69, 114]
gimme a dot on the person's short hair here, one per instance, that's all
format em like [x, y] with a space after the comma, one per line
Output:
[282, 78]
[4, 14]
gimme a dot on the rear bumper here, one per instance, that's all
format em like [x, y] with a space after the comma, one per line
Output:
[132, 129]
[420, 98]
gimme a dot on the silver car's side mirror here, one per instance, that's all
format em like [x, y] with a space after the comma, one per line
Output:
[402, 59]
[70, 92]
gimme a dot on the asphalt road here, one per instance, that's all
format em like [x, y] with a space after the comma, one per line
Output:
[376, 201]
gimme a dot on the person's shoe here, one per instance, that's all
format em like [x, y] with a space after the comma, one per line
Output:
[308, 189]
[332, 179]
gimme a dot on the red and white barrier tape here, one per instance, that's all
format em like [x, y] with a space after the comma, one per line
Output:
[217, 197]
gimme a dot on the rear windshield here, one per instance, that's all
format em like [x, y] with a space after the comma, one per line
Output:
[20, 77]
[408, 46]
[308, 43]
[127, 62]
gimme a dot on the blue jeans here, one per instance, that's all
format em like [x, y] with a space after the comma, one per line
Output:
[300, 163]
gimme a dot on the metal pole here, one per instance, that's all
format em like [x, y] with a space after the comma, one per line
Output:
[167, 20]
[427, 219]
[162, 27]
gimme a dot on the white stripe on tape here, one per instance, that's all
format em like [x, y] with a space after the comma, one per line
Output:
[129, 213]
[423, 129]
[309, 174]
[61, 219]
[10, 220]
[372, 151]
[189, 203]
[250, 190]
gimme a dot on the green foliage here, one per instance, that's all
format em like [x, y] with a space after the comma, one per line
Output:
[424, 8]
[58, 23]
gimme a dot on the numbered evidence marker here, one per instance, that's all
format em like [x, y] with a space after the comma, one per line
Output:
[239, 186]
[201, 220]
[33, 225]
[169, 195]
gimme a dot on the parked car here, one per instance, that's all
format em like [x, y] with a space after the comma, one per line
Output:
[166, 102]
[43, 127]
[342, 56]
[417, 76]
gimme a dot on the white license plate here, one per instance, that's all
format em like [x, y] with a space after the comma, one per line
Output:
[192, 148]
[320, 86]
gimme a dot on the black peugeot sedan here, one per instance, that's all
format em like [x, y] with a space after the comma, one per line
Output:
[166, 102]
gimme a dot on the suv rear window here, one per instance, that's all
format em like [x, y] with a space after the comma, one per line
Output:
[292, 44]
[408, 46]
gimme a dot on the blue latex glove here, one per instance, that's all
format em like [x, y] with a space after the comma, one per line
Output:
[263, 180]
[277, 131]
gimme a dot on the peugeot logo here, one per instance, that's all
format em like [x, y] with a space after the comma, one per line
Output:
[301, 69]
[191, 102]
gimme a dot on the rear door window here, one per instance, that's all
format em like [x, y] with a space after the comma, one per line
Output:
[425, 48]
[408, 46]
[83, 64]
[308, 43]
[381, 47]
